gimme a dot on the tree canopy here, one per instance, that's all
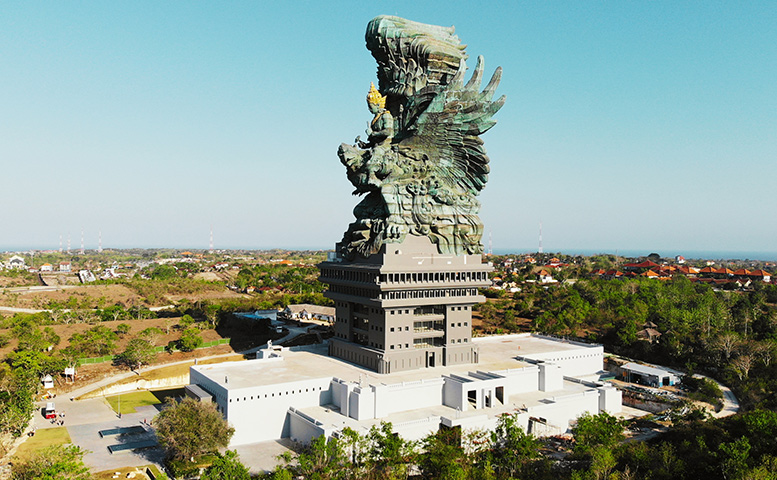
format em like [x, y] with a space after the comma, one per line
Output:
[189, 428]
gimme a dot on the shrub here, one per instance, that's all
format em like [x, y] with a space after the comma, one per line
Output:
[190, 339]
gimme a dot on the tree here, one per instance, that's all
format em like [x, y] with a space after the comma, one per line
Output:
[602, 430]
[16, 404]
[190, 339]
[226, 467]
[323, 460]
[186, 321]
[123, 329]
[98, 340]
[511, 447]
[151, 334]
[137, 353]
[191, 428]
[61, 462]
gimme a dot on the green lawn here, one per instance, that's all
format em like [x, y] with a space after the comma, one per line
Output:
[130, 401]
[43, 438]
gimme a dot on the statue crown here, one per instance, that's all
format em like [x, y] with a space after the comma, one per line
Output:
[375, 98]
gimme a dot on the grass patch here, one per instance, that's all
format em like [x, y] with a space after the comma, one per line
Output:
[164, 372]
[131, 401]
[43, 438]
[178, 370]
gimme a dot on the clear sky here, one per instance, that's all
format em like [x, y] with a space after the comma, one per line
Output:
[628, 125]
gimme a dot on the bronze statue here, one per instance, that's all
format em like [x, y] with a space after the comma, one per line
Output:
[423, 162]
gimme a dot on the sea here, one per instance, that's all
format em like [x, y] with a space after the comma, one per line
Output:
[629, 253]
[688, 254]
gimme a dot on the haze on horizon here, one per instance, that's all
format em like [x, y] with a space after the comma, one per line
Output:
[628, 126]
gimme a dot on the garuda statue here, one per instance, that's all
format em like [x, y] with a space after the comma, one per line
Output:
[423, 162]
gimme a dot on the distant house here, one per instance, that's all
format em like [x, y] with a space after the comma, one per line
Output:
[48, 382]
[86, 276]
[309, 312]
[640, 267]
[762, 275]
[679, 259]
[545, 277]
[64, 266]
[46, 267]
[15, 262]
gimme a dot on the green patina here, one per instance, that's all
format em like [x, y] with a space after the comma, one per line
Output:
[423, 163]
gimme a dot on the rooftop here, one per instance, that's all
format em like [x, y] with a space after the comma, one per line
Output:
[305, 363]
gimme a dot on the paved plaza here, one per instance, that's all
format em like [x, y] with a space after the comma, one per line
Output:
[84, 419]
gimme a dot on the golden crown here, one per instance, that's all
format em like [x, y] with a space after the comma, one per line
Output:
[375, 98]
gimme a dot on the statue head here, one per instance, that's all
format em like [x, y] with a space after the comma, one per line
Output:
[375, 101]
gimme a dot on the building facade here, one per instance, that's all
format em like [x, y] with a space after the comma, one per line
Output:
[301, 392]
[406, 307]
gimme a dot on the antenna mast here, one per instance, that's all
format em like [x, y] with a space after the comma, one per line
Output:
[82, 242]
[210, 250]
[540, 250]
[99, 241]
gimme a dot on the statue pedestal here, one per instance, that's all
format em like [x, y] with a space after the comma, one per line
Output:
[405, 307]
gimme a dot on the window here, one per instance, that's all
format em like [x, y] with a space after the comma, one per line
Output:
[407, 328]
[392, 347]
[392, 329]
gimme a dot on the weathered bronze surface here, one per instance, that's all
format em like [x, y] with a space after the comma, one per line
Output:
[423, 162]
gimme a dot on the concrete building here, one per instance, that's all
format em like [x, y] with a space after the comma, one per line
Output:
[406, 307]
[301, 393]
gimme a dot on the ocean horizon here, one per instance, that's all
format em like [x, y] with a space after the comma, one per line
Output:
[688, 254]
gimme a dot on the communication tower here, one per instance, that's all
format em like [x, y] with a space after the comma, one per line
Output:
[540, 248]
[490, 244]
[81, 251]
[99, 242]
[210, 249]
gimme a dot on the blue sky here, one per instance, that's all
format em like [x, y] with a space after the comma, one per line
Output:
[628, 125]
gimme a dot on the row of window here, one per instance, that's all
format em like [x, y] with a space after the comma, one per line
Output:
[390, 278]
[431, 293]
[349, 275]
[280, 394]
[403, 294]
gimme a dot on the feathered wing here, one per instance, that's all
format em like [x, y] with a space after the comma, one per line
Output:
[446, 121]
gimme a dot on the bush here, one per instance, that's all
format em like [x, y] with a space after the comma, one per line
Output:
[123, 329]
[702, 390]
[190, 339]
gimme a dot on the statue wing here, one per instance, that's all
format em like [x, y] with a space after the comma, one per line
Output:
[446, 122]
[412, 55]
